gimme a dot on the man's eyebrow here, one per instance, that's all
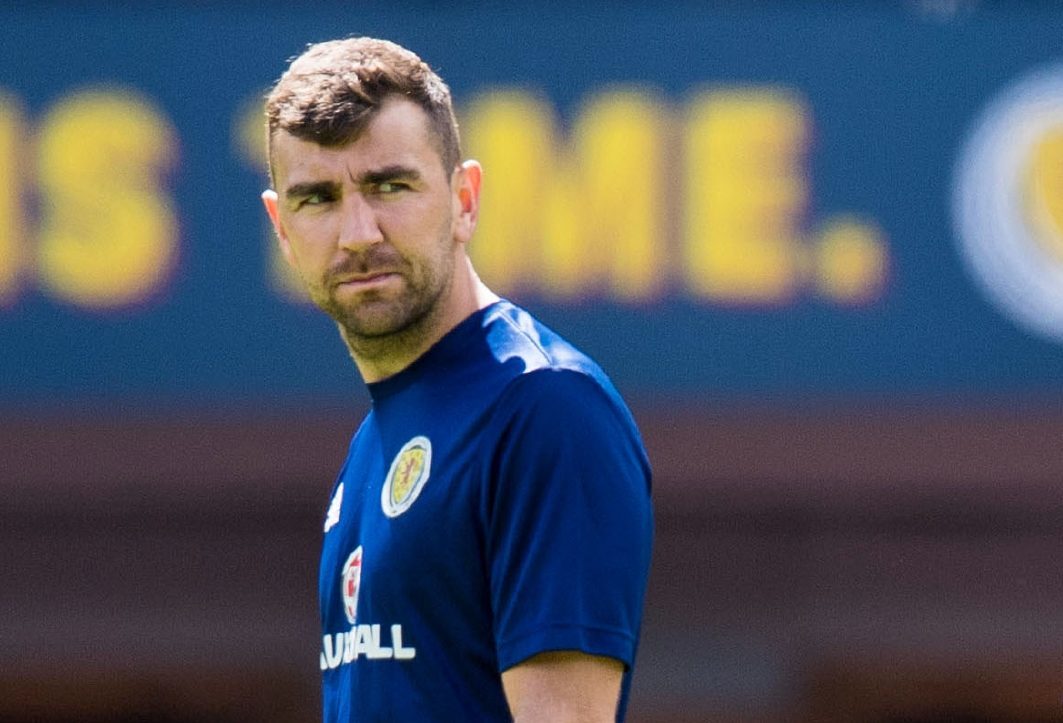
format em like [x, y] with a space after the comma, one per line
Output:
[302, 190]
[390, 173]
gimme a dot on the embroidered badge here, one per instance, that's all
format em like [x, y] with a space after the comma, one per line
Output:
[409, 471]
[350, 580]
[333, 515]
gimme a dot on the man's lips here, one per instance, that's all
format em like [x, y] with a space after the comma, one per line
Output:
[362, 281]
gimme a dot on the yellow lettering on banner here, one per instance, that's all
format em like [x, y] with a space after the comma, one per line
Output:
[12, 233]
[745, 196]
[109, 235]
[1043, 192]
[249, 138]
[570, 220]
[613, 194]
[852, 263]
[511, 134]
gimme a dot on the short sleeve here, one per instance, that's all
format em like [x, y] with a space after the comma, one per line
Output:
[569, 521]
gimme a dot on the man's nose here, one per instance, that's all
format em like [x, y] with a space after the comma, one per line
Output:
[359, 226]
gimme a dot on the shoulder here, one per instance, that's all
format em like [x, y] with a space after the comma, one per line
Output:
[552, 396]
[551, 380]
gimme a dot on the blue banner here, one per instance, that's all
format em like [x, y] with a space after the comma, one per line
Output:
[771, 201]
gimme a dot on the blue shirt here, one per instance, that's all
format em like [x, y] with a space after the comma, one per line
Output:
[494, 504]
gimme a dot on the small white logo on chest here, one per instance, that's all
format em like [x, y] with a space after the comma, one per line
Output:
[407, 476]
[333, 515]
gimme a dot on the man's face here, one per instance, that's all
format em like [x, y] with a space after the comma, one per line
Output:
[370, 226]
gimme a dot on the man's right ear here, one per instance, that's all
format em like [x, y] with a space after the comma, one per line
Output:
[269, 200]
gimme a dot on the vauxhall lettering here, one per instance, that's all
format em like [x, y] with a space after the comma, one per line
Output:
[362, 641]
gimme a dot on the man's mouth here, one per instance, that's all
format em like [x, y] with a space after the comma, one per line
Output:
[366, 281]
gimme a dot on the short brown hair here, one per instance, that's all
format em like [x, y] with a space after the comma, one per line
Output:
[329, 94]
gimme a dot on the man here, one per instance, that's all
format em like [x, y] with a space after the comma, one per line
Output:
[488, 538]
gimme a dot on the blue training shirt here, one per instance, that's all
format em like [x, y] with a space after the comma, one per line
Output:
[494, 504]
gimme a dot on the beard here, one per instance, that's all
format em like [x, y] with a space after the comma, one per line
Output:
[375, 315]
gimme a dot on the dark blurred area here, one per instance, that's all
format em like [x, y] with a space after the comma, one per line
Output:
[829, 564]
[818, 246]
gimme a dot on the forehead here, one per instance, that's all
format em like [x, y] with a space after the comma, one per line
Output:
[398, 134]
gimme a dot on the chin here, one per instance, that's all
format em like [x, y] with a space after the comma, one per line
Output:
[366, 324]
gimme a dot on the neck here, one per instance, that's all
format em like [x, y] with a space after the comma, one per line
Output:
[381, 357]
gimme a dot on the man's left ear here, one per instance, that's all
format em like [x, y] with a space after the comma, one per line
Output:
[467, 179]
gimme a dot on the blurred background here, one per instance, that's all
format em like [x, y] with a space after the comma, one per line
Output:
[818, 246]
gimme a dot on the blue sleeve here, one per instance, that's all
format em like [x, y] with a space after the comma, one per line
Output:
[569, 520]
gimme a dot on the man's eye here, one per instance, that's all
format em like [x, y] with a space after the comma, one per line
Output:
[314, 199]
[390, 187]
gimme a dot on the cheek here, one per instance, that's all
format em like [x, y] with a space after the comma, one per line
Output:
[308, 241]
[418, 232]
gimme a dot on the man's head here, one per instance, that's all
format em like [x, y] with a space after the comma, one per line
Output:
[329, 94]
[369, 201]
